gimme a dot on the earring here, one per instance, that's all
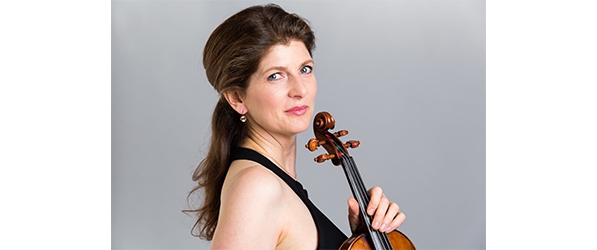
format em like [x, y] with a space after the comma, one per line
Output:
[243, 118]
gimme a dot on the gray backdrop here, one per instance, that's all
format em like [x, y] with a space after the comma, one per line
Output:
[406, 78]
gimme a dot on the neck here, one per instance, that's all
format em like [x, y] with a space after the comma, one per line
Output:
[279, 149]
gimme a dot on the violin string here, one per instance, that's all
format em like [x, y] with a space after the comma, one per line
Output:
[377, 237]
[362, 198]
[379, 240]
[353, 183]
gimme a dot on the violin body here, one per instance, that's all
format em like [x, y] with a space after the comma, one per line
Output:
[338, 153]
[359, 242]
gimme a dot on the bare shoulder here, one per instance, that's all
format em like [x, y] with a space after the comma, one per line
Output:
[252, 205]
[247, 178]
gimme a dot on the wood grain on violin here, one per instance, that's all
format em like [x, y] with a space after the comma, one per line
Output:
[364, 237]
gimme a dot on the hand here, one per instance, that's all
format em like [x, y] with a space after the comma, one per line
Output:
[387, 214]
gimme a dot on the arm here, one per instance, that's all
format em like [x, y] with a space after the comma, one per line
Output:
[250, 211]
[387, 216]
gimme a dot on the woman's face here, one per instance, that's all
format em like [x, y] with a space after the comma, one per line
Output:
[281, 93]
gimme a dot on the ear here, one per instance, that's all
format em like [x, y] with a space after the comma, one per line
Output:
[235, 99]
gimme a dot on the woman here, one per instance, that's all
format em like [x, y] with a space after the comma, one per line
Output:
[259, 61]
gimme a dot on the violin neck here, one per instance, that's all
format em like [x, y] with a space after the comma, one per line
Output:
[378, 239]
[359, 191]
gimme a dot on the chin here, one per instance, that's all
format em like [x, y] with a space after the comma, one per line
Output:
[302, 130]
[301, 127]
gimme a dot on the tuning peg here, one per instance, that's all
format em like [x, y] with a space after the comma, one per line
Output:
[324, 157]
[341, 133]
[352, 144]
[313, 143]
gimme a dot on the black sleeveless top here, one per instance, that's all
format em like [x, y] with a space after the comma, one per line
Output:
[328, 235]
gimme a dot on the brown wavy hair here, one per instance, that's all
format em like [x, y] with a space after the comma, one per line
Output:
[231, 55]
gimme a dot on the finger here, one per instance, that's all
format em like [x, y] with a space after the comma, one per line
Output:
[390, 216]
[375, 195]
[353, 214]
[353, 207]
[398, 220]
[380, 214]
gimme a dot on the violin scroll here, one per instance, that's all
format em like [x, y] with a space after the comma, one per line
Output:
[323, 122]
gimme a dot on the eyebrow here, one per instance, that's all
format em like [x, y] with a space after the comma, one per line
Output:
[282, 68]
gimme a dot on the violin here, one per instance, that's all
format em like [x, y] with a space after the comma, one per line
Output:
[364, 237]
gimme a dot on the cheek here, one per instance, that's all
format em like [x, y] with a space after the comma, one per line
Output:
[267, 102]
[258, 98]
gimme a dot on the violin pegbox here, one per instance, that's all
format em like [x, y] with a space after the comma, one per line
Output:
[322, 123]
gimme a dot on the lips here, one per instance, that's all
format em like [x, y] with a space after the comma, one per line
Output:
[298, 110]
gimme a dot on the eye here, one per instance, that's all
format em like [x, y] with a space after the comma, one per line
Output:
[306, 69]
[274, 77]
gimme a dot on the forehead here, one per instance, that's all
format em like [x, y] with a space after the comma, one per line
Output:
[285, 55]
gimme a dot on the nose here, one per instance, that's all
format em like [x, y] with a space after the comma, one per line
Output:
[297, 88]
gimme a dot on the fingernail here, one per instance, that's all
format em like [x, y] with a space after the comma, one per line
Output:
[376, 224]
[383, 228]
